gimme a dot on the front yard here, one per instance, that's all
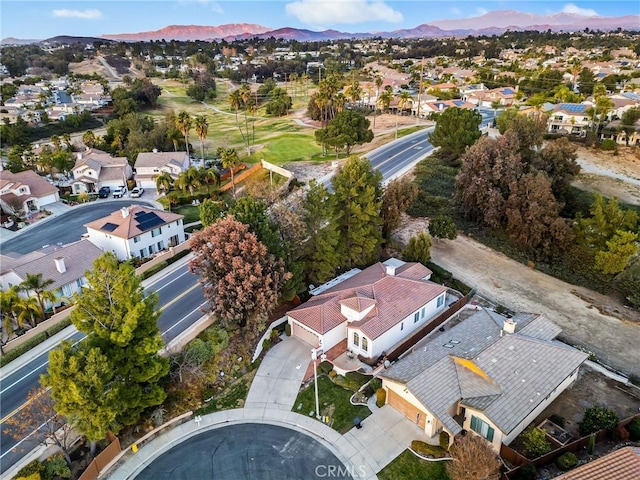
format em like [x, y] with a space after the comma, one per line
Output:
[407, 466]
[334, 402]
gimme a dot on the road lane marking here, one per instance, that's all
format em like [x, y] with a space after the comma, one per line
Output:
[184, 318]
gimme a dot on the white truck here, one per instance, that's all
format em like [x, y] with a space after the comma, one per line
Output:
[119, 191]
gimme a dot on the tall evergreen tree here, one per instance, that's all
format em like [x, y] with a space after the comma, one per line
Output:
[322, 254]
[121, 347]
[358, 194]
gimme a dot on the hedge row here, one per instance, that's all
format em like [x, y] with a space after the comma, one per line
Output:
[32, 342]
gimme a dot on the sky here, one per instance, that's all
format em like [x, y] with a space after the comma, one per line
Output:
[27, 19]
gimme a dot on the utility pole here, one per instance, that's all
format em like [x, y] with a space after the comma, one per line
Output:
[314, 357]
[420, 90]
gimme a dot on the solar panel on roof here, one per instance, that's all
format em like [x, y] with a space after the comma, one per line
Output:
[458, 102]
[109, 227]
[149, 221]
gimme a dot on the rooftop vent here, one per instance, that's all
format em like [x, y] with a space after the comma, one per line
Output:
[448, 345]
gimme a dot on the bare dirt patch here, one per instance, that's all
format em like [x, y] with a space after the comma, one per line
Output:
[625, 162]
[87, 67]
[609, 187]
[592, 388]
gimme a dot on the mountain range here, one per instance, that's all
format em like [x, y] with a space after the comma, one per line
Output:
[491, 23]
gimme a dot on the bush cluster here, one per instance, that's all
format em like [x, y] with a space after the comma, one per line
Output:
[597, 418]
[566, 461]
[425, 449]
[634, 429]
[381, 397]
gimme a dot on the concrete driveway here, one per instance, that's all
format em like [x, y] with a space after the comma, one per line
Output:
[277, 382]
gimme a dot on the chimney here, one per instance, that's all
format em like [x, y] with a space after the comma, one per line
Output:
[509, 326]
[155, 150]
[60, 266]
[125, 212]
[79, 155]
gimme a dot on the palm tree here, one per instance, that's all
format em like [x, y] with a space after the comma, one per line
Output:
[183, 123]
[9, 310]
[403, 100]
[164, 182]
[354, 92]
[89, 138]
[27, 308]
[202, 128]
[34, 283]
[375, 109]
[210, 178]
[245, 95]
[384, 99]
[235, 101]
[190, 179]
[230, 160]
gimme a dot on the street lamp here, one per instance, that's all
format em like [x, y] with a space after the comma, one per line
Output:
[314, 357]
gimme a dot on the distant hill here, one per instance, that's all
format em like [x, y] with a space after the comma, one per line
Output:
[70, 40]
[17, 41]
[491, 23]
[191, 32]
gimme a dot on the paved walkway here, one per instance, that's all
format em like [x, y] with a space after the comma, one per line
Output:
[384, 434]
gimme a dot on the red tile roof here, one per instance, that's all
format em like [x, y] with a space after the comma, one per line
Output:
[620, 464]
[395, 298]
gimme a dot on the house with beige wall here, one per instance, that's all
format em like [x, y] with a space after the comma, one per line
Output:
[487, 374]
[374, 309]
[150, 165]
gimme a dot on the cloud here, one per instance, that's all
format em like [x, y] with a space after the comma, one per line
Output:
[587, 12]
[455, 11]
[331, 12]
[91, 14]
[481, 11]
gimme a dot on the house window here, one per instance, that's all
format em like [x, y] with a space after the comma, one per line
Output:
[401, 326]
[422, 312]
[151, 250]
[365, 344]
[356, 339]
[482, 428]
[156, 231]
[136, 239]
[440, 300]
[143, 252]
[160, 245]
[416, 317]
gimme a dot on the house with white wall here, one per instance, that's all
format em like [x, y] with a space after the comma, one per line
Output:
[26, 188]
[95, 169]
[569, 118]
[65, 265]
[487, 374]
[374, 309]
[136, 231]
[150, 165]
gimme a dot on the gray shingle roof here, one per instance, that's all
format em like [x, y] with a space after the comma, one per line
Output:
[513, 373]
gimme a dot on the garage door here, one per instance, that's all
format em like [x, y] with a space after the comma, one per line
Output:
[407, 409]
[304, 335]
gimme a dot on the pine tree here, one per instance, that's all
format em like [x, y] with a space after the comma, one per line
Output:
[418, 249]
[322, 254]
[121, 347]
[358, 194]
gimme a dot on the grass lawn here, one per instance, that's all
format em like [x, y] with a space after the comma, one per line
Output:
[331, 397]
[191, 213]
[352, 380]
[288, 147]
[407, 466]
[232, 397]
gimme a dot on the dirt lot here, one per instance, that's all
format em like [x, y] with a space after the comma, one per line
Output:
[592, 388]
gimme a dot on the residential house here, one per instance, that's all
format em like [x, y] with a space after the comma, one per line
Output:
[149, 165]
[26, 188]
[569, 118]
[622, 134]
[487, 374]
[373, 309]
[136, 231]
[441, 105]
[505, 96]
[623, 463]
[95, 169]
[65, 265]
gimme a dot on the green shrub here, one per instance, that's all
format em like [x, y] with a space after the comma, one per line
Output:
[425, 449]
[535, 442]
[58, 327]
[597, 418]
[526, 472]
[634, 429]
[155, 269]
[333, 373]
[325, 367]
[287, 329]
[375, 384]
[56, 467]
[557, 419]
[608, 145]
[592, 444]
[30, 468]
[381, 397]
[566, 461]
[444, 440]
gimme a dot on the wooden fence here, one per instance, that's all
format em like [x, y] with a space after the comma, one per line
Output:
[102, 459]
[406, 345]
[514, 458]
[238, 178]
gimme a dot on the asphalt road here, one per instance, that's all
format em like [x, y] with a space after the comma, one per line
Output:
[247, 451]
[180, 300]
[66, 227]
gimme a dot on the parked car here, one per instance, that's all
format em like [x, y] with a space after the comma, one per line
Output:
[104, 192]
[119, 191]
[136, 192]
